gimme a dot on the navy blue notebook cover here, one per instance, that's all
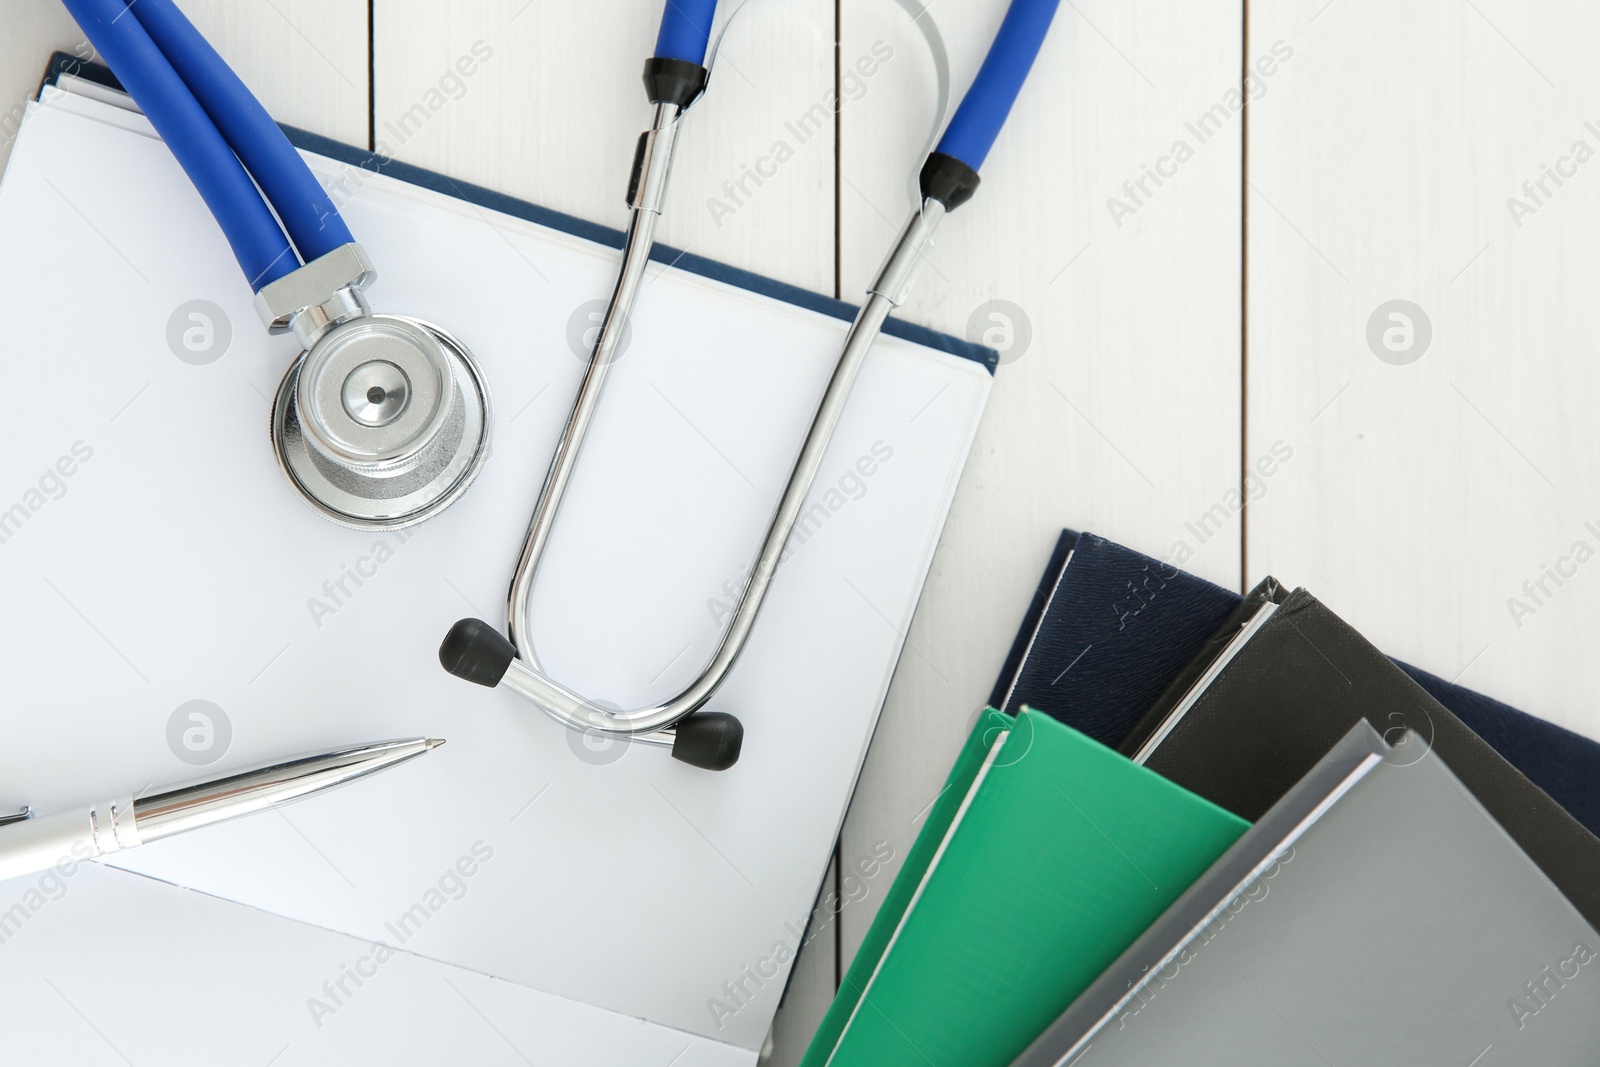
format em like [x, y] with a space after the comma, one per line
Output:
[1110, 628]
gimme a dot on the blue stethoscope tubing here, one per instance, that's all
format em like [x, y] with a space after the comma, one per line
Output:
[674, 78]
[236, 156]
[987, 105]
[686, 30]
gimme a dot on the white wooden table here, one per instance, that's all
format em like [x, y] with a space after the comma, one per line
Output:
[1199, 283]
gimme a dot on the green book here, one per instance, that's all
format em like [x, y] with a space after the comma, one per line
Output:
[1042, 860]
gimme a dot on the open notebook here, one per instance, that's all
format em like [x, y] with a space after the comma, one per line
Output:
[175, 564]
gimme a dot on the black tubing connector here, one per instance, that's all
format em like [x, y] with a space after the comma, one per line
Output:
[708, 739]
[476, 651]
[674, 81]
[948, 180]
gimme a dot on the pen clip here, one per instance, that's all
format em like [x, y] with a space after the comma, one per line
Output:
[25, 813]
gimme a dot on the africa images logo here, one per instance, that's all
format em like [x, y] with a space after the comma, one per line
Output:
[49, 486]
[1541, 990]
[353, 576]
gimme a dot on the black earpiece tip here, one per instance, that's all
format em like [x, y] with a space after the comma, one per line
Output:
[708, 739]
[476, 651]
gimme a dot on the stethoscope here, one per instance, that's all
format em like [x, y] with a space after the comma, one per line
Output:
[674, 79]
[383, 420]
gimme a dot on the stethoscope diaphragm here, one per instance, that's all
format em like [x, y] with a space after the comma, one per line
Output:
[383, 423]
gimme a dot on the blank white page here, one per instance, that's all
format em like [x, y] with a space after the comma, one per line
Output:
[168, 976]
[176, 564]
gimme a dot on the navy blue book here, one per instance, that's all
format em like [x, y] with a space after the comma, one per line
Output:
[1109, 629]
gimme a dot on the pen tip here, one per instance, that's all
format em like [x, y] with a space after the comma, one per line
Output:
[434, 742]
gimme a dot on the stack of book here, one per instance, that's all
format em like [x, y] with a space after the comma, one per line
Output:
[1202, 828]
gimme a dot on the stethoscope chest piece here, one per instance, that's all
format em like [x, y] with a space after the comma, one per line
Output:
[384, 421]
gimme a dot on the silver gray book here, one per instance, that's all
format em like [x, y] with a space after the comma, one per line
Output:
[1375, 915]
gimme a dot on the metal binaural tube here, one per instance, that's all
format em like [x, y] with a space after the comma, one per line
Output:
[524, 674]
[646, 192]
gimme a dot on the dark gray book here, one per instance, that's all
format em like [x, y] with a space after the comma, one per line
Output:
[1377, 914]
[1293, 679]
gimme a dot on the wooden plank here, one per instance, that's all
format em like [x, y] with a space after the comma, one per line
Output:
[33, 30]
[1430, 483]
[306, 60]
[552, 114]
[1122, 415]
[811, 987]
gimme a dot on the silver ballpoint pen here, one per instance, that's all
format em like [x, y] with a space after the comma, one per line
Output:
[29, 844]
